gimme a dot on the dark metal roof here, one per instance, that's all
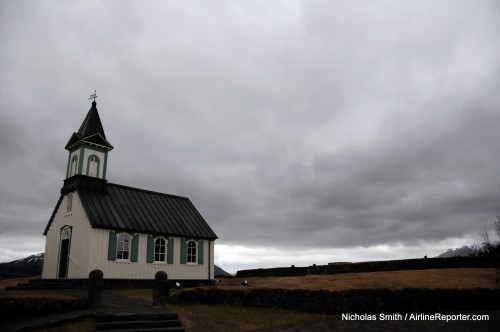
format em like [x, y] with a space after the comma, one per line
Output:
[142, 211]
[91, 131]
[92, 123]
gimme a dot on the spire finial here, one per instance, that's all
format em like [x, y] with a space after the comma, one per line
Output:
[94, 96]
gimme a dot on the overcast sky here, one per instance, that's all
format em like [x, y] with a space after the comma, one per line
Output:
[303, 131]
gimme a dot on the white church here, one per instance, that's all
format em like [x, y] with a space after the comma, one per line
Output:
[125, 232]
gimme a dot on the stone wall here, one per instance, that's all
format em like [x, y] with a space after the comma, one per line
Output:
[350, 301]
[375, 266]
[17, 307]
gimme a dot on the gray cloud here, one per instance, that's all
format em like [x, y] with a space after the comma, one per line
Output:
[289, 124]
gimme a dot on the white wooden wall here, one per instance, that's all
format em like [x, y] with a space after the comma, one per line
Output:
[79, 249]
[143, 270]
[89, 251]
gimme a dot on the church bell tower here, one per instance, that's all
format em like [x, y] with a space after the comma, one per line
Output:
[88, 148]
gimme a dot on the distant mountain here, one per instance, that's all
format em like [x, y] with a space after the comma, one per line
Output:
[25, 267]
[464, 251]
[33, 265]
[220, 272]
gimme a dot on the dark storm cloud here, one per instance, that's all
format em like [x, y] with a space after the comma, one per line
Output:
[326, 124]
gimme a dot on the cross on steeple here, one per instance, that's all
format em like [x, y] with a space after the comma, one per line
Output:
[94, 95]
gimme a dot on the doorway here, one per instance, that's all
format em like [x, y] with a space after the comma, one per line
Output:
[64, 252]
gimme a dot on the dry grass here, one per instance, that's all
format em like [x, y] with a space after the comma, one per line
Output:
[87, 325]
[13, 282]
[29, 294]
[233, 318]
[201, 318]
[438, 278]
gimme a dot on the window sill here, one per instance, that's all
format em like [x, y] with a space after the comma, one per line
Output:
[159, 263]
[123, 261]
[192, 264]
[68, 214]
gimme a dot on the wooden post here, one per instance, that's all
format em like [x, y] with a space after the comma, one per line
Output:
[95, 288]
[161, 289]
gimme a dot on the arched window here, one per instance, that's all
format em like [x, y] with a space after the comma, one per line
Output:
[93, 166]
[192, 251]
[123, 247]
[69, 206]
[74, 166]
[160, 249]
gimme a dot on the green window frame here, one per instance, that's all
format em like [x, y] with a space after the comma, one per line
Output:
[192, 252]
[123, 247]
[160, 250]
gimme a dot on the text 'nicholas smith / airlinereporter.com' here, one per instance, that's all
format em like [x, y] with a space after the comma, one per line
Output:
[414, 317]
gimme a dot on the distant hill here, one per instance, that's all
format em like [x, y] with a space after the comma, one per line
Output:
[464, 251]
[25, 267]
[220, 272]
[33, 265]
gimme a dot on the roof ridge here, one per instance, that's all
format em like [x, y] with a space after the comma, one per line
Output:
[147, 191]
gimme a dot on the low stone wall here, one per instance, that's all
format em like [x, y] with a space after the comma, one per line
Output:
[375, 266]
[351, 301]
[107, 283]
[17, 307]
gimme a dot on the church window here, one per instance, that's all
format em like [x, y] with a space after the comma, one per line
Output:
[69, 206]
[93, 166]
[74, 165]
[192, 255]
[123, 247]
[192, 252]
[160, 249]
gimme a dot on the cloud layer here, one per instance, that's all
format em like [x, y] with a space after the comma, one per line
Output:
[325, 125]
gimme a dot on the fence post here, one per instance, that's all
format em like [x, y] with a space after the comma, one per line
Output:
[95, 288]
[161, 289]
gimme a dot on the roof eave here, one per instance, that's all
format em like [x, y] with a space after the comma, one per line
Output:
[97, 226]
[81, 141]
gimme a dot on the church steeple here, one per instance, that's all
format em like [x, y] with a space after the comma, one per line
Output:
[92, 123]
[88, 148]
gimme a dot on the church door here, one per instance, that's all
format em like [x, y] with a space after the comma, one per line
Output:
[64, 252]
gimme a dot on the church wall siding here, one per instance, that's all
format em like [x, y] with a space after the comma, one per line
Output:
[142, 269]
[79, 247]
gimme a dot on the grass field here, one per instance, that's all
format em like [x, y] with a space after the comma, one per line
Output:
[14, 281]
[436, 278]
[232, 318]
[202, 318]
